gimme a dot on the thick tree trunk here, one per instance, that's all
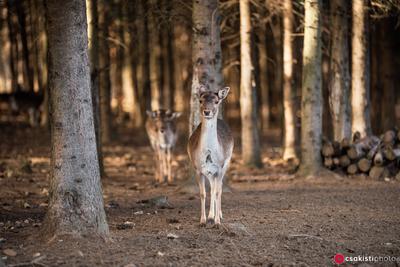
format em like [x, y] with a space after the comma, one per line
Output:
[339, 94]
[207, 56]
[289, 138]
[104, 73]
[93, 34]
[311, 108]
[248, 104]
[76, 202]
[360, 89]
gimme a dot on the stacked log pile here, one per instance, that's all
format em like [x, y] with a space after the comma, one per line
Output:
[378, 157]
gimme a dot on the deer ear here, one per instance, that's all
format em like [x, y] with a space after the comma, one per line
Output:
[176, 115]
[151, 114]
[223, 93]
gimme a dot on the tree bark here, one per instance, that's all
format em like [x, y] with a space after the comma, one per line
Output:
[311, 110]
[76, 202]
[104, 73]
[360, 86]
[289, 139]
[248, 104]
[339, 94]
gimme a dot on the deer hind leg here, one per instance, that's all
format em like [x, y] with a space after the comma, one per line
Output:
[218, 212]
[202, 187]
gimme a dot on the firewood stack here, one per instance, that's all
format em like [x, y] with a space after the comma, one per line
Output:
[377, 157]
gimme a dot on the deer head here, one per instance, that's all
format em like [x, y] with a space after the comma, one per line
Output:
[162, 126]
[210, 101]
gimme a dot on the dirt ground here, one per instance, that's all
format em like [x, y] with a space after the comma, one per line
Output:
[271, 218]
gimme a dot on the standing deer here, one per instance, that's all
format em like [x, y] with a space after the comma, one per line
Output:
[161, 129]
[210, 150]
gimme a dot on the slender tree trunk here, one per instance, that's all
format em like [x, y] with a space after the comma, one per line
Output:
[76, 201]
[386, 75]
[28, 80]
[289, 138]
[104, 74]
[13, 47]
[93, 34]
[311, 110]
[144, 51]
[137, 115]
[276, 94]
[264, 81]
[360, 89]
[248, 104]
[119, 59]
[155, 57]
[340, 71]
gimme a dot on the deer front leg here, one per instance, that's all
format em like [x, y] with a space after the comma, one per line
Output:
[218, 213]
[169, 167]
[158, 163]
[211, 214]
[164, 166]
[202, 189]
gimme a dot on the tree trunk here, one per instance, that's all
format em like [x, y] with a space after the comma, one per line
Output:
[28, 79]
[104, 73]
[155, 57]
[13, 47]
[137, 116]
[144, 64]
[93, 34]
[360, 102]
[248, 104]
[340, 72]
[311, 111]
[264, 81]
[119, 59]
[289, 140]
[207, 56]
[76, 201]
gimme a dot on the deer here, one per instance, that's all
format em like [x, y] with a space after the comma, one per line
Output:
[210, 150]
[162, 133]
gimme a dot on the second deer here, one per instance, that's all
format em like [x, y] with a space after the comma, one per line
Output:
[161, 129]
[210, 150]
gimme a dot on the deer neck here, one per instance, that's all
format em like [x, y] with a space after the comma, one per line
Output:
[209, 132]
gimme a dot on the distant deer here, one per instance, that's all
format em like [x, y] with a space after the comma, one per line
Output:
[161, 129]
[210, 150]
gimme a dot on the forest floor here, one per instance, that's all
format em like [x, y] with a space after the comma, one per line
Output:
[271, 217]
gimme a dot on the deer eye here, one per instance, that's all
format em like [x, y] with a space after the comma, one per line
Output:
[216, 102]
[201, 101]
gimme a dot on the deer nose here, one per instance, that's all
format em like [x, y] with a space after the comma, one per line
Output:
[206, 112]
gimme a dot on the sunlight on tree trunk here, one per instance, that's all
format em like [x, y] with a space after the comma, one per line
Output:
[311, 100]
[289, 138]
[360, 69]
[76, 201]
[248, 104]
